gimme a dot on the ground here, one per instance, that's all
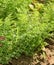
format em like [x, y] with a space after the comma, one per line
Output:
[47, 58]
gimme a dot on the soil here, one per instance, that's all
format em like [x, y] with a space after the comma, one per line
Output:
[47, 58]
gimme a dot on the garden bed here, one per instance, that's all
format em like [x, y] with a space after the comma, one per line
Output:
[37, 59]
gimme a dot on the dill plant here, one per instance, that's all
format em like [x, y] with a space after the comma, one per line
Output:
[24, 29]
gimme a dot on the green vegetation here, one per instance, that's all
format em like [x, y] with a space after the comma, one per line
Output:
[24, 27]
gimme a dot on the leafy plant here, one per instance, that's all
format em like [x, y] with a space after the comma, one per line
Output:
[23, 30]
